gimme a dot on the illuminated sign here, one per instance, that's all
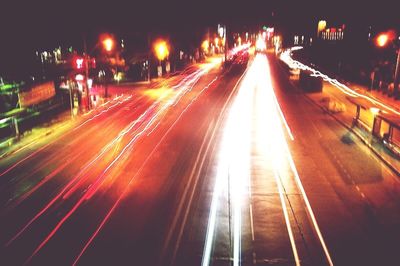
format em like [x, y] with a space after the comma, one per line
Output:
[37, 94]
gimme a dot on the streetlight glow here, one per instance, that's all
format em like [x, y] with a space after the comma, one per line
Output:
[382, 40]
[108, 44]
[216, 41]
[161, 49]
[205, 45]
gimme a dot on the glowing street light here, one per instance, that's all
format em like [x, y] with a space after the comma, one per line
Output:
[205, 45]
[161, 50]
[216, 41]
[108, 44]
[382, 39]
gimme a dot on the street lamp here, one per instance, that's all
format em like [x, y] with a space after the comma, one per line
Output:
[205, 45]
[108, 44]
[162, 52]
[383, 40]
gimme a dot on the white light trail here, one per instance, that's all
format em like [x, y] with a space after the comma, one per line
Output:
[281, 146]
[234, 165]
[286, 57]
[270, 137]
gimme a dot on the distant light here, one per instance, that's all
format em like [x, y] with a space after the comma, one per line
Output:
[79, 77]
[374, 110]
[161, 50]
[321, 26]
[90, 83]
[260, 44]
[382, 40]
[221, 30]
[205, 45]
[108, 44]
[79, 63]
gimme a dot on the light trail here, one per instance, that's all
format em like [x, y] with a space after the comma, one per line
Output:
[234, 158]
[292, 63]
[126, 190]
[94, 187]
[102, 112]
[47, 178]
[71, 185]
[270, 136]
[41, 148]
[282, 147]
[233, 167]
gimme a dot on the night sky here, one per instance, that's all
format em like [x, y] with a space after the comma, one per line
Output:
[27, 26]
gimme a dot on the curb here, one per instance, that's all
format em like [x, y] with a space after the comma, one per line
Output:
[14, 140]
[349, 128]
[359, 136]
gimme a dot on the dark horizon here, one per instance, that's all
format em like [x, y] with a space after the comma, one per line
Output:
[44, 25]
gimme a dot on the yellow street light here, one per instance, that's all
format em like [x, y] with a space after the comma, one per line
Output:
[382, 39]
[205, 45]
[161, 50]
[108, 44]
[216, 41]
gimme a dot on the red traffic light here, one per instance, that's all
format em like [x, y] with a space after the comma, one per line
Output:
[79, 62]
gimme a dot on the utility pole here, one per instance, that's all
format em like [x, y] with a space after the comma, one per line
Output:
[149, 58]
[396, 76]
[86, 71]
[71, 100]
[226, 43]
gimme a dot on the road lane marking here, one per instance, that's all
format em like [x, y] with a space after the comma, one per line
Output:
[194, 175]
[251, 222]
[282, 147]
[107, 217]
[217, 188]
[270, 139]
[308, 205]
[286, 216]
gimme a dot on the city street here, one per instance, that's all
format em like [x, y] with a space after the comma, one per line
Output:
[210, 167]
[326, 200]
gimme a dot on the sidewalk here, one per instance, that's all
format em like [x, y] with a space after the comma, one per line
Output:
[334, 100]
[377, 95]
[55, 126]
[346, 119]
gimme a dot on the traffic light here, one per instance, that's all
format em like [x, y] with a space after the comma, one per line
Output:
[78, 63]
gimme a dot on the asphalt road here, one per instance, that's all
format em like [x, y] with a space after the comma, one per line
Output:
[327, 199]
[120, 170]
[209, 167]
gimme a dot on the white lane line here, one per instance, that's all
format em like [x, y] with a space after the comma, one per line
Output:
[272, 139]
[222, 173]
[283, 119]
[251, 222]
[308, 205]
[194, 175]
[286, 215]
[288, 155]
